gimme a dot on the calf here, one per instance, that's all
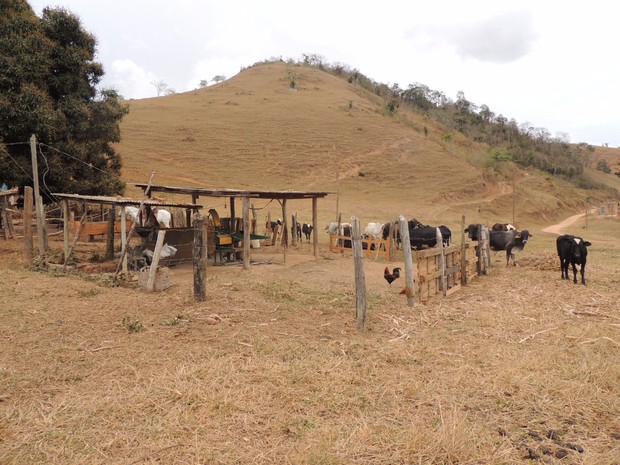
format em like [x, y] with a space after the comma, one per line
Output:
[307, 228]
[573, 250]
[509, 241]
[296, 228]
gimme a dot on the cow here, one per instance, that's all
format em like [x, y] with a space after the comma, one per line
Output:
[509, 241]
[503, 227]
[332, 228]
[271, 225]
[573, 250]
[306, 228]
[396, 231]
[374, 230]
[421, 235]
[163, 217]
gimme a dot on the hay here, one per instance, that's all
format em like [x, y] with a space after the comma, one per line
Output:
[515, 367]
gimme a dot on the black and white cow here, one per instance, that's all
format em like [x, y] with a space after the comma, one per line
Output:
[503, 227]
[298, 230]
[509, 241]
[426, 236]
[573, 250]
[306, 228]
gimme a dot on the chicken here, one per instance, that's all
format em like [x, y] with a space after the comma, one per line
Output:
[390, 277]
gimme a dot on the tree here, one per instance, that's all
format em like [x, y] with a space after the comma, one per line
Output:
[203, 83]
[48, 80]
[218, 78]
[161, 87]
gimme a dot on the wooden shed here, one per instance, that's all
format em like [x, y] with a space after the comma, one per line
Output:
[246, 196]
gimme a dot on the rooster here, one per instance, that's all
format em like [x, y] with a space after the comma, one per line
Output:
[390, 277]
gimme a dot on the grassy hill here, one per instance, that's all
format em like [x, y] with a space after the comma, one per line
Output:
[257, 131]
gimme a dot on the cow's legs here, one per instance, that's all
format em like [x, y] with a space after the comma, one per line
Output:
[574, 272]
[583, 273]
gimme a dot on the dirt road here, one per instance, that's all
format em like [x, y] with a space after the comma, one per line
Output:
[559, 228]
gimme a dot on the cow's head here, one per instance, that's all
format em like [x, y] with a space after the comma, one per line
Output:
[523, 236]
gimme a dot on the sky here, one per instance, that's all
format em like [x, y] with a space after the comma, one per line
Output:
[548, 64]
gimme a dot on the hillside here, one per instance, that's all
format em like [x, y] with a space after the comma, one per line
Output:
[256, 131]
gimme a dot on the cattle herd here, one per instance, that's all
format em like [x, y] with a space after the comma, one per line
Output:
[571, 250]
[502, 237]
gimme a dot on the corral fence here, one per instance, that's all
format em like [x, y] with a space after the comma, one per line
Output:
[439, 270]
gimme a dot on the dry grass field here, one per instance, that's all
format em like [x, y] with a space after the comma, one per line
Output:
[518, 367]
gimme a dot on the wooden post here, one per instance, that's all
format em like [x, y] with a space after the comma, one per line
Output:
[284, 229]
[487, 249]
[315, 227]
[110, 238]
[5, 218]
[360, 276]
[404, 234]
[442, 261]
[232, 215]
[463, 252]
[253, 209]
[150, 284]
[392, 238]
[246, 233]
[124, 239]
[28, 200]
[199, 254]
[37, 198]
[479, 251]
[294, 230]
[66, 226]
[75, 239]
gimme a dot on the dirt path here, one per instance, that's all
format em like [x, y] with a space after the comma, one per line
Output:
[559, 228]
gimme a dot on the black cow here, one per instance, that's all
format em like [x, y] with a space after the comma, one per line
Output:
[509, 241]
[421, 236]
[472, 232]
[573, 250]
[307, 230]
[385, 232]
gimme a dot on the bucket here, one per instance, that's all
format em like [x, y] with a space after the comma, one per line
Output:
[255, 243]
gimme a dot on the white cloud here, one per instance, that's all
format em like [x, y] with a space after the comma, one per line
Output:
[131, 80]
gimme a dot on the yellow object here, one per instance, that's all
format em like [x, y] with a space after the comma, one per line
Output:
[224, 239]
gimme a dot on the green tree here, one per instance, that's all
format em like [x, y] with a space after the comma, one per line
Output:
[218, 78]
[48, 80]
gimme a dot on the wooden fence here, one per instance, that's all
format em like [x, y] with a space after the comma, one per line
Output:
[371, 247]
[437, 270]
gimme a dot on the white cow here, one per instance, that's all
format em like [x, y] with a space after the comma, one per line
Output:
[163, 217]
[332, 228]
[374, 231]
